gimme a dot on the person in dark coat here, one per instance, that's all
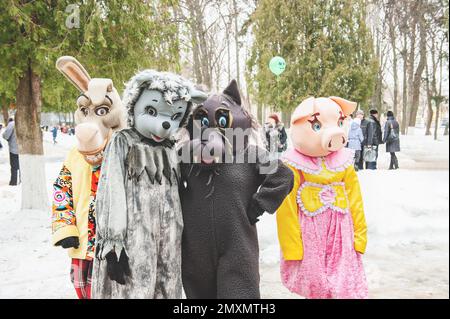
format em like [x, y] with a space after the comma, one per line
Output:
[10, 136]
[392, 138]
[222, 200]
[276, 137]
[373, 137]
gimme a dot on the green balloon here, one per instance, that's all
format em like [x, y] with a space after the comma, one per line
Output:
[277, 65]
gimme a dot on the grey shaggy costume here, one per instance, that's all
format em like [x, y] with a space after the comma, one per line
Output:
[138, 205]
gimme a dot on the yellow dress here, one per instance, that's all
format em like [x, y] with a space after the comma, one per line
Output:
[322, 229]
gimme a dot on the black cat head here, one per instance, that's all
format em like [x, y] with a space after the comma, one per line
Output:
[215, 118]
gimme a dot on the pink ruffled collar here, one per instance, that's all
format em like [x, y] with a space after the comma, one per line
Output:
[336, 162]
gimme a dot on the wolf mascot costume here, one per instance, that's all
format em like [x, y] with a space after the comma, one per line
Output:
[138, 206]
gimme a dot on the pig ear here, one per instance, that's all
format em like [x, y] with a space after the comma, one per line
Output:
[305, 109]
[347, 107]
[74, 72]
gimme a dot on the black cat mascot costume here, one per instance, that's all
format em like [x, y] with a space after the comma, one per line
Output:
[222, 200]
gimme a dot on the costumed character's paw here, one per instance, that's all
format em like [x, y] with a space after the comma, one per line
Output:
[69, 242]
[253, 213]
[118, 269]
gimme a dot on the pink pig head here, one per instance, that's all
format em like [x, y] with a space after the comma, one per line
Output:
[318, 125]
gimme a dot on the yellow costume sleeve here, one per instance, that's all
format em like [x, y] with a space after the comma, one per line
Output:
[356, 209]
[63, 215]
[289, 233]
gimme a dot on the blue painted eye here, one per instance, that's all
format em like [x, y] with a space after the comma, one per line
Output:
[205, 122]
[223, 121]
[316, 126]
[341, 123]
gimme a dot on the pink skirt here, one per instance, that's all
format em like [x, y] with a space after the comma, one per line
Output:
[331, 267]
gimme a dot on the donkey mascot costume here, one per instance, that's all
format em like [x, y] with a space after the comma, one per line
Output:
[138, 205]
[99, 113]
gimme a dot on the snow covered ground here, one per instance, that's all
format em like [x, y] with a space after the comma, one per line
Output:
[407, 213]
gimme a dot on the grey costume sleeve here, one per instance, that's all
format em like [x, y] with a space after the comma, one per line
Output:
[277, 183]
[111, 204]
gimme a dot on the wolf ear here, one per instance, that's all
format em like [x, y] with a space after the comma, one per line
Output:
[74, 72]
[232, 91]
[198, 96]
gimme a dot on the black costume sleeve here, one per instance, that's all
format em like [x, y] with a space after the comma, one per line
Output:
[276, 184]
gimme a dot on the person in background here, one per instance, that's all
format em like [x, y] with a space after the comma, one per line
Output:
[276, 137]
[392, 138]
[373, 137]
[54, 133]
[355, 140]
[359, 115]
[10, 136]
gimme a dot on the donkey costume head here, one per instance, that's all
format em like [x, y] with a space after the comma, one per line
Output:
[159, 103]
[99, 112]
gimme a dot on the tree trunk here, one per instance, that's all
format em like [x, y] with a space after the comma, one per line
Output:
[429, 105]
[405, 87]
[286, 118]
[29, 137]
[436, 121]
[410, 71]
[417, 81]
[236, 42]
[5, 113]
[393, 40]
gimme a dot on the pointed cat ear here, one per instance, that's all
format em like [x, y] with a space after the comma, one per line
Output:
[232, 91]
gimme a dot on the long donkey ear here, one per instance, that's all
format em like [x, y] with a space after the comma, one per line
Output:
[303, 110]
[232, 91]
[74, 72]
[347, 107]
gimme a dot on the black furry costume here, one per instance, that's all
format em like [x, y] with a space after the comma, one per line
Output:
[221, 204]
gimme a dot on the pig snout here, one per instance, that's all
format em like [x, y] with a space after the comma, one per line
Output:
[89, 137]
[333, 139]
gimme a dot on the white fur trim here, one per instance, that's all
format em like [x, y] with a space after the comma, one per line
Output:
[325, 205]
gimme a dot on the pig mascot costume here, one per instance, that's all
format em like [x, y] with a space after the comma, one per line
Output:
[321, 224]
[139, 218]
[99, 113]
